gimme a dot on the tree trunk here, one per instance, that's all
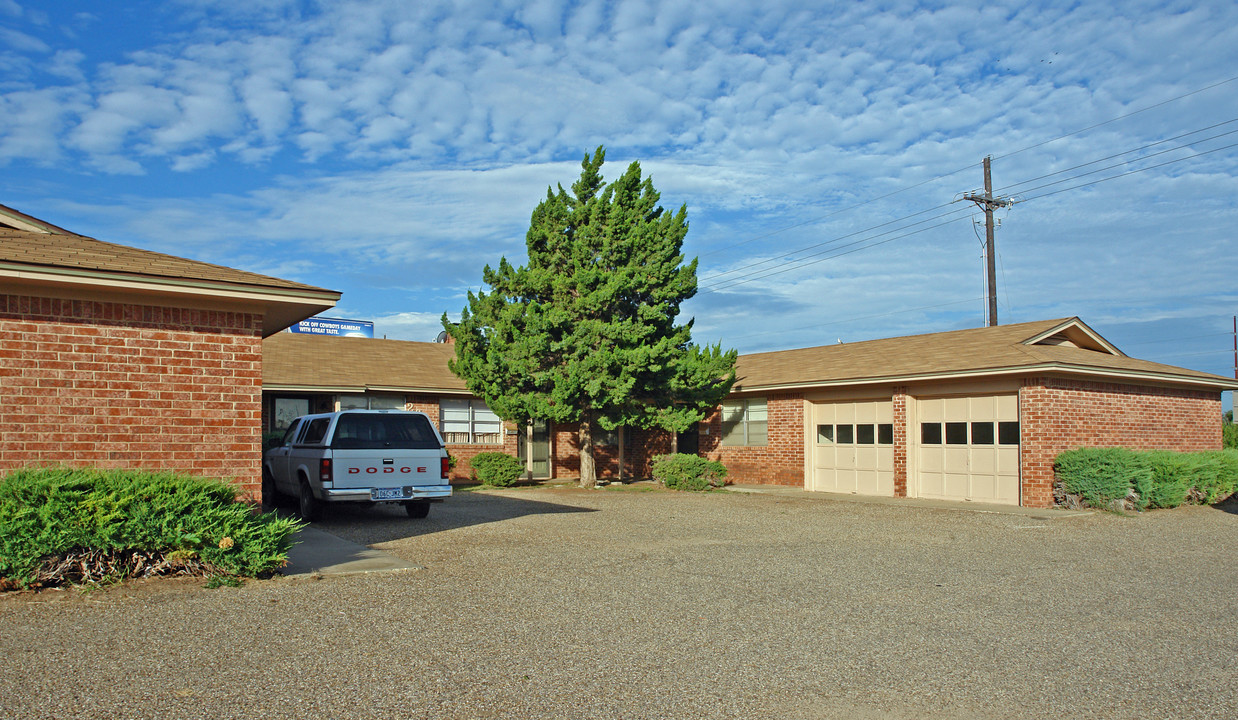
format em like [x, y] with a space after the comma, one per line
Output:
[621, 448]
[588, 472]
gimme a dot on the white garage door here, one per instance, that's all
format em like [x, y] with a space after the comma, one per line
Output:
[853, 450]
[968, 448]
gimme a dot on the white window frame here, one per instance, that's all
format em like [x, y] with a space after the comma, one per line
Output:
[748, 419]
[468, 422]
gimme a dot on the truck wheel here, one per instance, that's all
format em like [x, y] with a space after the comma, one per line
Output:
[270, 496]
[417, 508]
[308, 505]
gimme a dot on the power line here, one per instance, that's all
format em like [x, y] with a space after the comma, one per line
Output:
[968, 167]
[1131, 172]
[797, 251]
[1126, 152]
[1120, 164]
[801, 265]
[862, 317]
[749, 274]
[1120, 117]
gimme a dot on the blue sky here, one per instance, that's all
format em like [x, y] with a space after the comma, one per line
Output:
[389, 149]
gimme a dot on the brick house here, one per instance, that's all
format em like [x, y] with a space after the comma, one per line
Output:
[124, 358]
[974, 415]
[319, 373]
[971, 415]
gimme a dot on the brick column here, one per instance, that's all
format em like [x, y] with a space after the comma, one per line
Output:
[899, 401]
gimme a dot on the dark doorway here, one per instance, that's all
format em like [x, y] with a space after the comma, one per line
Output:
[689, 441]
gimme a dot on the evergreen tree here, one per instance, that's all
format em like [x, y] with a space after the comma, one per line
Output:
[586, 331]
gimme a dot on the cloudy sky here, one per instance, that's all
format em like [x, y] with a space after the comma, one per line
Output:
[389, 149]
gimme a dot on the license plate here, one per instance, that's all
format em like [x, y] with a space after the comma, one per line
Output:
[395, 493]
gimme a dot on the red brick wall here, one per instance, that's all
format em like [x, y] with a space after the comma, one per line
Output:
[130, 386]
[1057, 415]
[640, 446]
[779, 462]
[899, 401]
[463, 452]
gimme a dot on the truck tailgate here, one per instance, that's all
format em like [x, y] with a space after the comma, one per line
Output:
[371, 468]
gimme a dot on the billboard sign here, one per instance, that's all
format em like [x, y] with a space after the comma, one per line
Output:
[335, 326]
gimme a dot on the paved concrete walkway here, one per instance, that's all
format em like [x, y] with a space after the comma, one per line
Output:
[1039, 513]
[321, 552]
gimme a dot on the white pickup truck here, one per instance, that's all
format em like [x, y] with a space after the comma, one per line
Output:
[362, 456]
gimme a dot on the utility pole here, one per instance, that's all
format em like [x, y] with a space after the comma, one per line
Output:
[987, 203]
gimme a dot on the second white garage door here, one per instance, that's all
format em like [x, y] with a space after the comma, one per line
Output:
[967, 448]
[853, 450]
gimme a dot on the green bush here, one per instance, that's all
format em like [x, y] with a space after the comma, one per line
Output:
[1159, 478]
[1102, 475]
[1173, 476]
[50, 513]
[1229, 435]
[497, 469]
[1220, 478]
[688, 472]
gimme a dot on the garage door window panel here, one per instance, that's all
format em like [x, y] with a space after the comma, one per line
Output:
[885, 434]
[930, 433]
[982, 433]
[1008, 433]
[845, 434]
[825, 434]
[865, 434]
[956, 433]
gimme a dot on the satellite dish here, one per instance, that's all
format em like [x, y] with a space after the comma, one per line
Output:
[442, 337]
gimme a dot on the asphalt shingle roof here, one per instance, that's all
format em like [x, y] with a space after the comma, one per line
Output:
[325, 361]
[328, 361]
[69, 251]
[943, 353]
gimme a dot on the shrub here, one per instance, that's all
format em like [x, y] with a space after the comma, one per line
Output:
[1104, 475]
[1159, 478]
[1219, 479]
[1229, 435]
[497, 469]
[1173, 474]
[132, 522]
[688, 472]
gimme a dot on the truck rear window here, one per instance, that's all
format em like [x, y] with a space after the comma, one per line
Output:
[375, 432]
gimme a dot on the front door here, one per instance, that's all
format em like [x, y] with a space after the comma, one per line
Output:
[535, 450]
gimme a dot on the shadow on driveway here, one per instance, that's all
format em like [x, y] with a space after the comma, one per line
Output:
[370, 525]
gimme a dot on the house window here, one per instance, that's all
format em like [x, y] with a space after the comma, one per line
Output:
[744, 422]
[371, 402]
[469, 422]
[605, 438]
[386, 402]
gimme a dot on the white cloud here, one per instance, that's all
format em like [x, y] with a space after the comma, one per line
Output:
[400, 146]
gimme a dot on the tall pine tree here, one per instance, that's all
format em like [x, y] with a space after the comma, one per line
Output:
[586, 331]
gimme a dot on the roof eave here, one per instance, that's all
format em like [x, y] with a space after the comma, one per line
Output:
[1219, 384]
[281, 307]
[292, 387]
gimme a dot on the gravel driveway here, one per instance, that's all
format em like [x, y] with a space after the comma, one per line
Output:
[545, 603]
